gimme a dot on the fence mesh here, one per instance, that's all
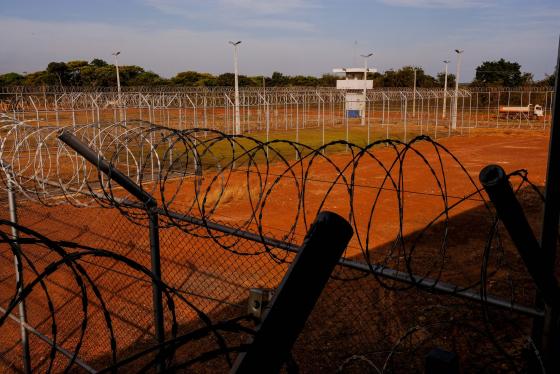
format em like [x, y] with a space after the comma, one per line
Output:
[360, 322]
[384, 308]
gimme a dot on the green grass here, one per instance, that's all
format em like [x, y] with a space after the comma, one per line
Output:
[214, 150]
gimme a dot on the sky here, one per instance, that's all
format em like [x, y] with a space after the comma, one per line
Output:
[306, 37]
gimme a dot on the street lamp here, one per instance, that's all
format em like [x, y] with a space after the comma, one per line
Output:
[118, 76]
[454, 122]
[237, 118]
[365, 86]
[445, 89]
[414, 95]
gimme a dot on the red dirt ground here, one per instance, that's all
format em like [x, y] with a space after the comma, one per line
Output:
[201, 267]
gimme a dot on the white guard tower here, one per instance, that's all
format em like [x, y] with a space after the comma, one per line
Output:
[355, 86]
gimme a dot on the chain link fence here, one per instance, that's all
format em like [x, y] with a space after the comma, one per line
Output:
[438, 272]
[361, 322]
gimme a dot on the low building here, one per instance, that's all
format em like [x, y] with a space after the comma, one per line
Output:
[355, 87]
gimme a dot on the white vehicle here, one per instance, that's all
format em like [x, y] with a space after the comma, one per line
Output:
[526, 112]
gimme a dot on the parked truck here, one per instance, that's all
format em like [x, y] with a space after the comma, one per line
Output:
[525, 112]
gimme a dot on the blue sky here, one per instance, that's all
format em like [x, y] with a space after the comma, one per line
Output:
[291, 36]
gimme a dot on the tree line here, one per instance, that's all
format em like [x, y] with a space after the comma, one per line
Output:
[99, 73]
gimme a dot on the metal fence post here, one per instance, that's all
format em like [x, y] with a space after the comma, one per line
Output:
[550, 341]
[150, 205]
[296, 296]
[26, 357]
[156, 271]
[496, 184]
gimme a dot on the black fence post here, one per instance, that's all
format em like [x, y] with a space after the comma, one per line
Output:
[296, 296]
[150, 205]
[547, 331]
[18, 265]
[439, 361]
[496, 183]
[156, 271]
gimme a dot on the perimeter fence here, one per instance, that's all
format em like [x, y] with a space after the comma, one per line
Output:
[427, 271]
[314, 116]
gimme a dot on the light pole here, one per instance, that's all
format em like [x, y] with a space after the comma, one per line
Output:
[414, 95]
[445, 89]
[365, 87]
[237, 118]
[118, 76]
[454, 121]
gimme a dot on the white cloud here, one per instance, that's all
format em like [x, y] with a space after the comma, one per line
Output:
[275, 24]
[280, 43]
[242, 14]
[269, 6]
[248, 6]
[438, 3]
[163, 50]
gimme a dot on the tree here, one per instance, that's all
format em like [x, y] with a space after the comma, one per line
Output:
[226, 80]
[76, 65]
[97, 62]
[59, 71]
[147, 78]
[499, 73]
[548, 81]
[278, 80]
[127, 73]
[403, 77]
[328, 80]
[11, 79]
[210, 81]
[39, 78]
[450, 79]
[377, 79]
[104, 76]
[257, 81]
[245, 81]
[527, 79]
[551, 80]
[302, 80]
[88, 75]
[98, 73]
[189, 78]
[74, 71]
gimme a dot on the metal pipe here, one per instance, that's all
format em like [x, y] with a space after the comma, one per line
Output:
[382, 271]
[549, 233]
[12, 206]
[150, 204]
[47, 340]
[296, 296]
[236, 73]
[454, 114]
[118, 83]
[98, 161]
[496, 184]
[157, 299]
[414, 96]
[446, 62]
[365, 86]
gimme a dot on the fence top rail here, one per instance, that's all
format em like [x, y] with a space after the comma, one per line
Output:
[42, 90]
[52, 101]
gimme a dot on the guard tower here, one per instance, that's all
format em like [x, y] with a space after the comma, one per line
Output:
[355, 87]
